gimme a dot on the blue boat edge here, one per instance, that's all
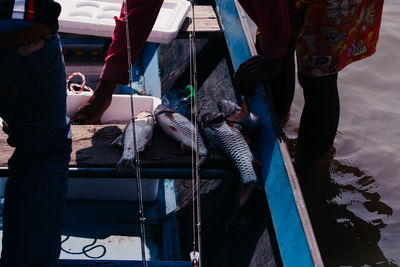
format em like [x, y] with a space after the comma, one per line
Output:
[292, 225]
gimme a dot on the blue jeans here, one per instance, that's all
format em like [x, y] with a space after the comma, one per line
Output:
[33, 103]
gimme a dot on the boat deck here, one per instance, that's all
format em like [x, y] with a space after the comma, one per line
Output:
[93, 155]
[234, 237]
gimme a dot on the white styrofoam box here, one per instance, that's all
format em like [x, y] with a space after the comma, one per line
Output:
[123, 189]
[96, 18]
[120, 109]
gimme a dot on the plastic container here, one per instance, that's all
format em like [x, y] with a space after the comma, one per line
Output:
[104, 188]
[96, 17]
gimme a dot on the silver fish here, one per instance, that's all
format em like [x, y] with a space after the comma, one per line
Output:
[144, 125]
[180, 129]
[231, 142]
[240, 115]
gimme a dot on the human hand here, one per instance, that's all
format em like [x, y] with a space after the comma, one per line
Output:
[255, 69]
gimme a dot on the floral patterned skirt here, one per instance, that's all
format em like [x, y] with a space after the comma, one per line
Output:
[336, 33]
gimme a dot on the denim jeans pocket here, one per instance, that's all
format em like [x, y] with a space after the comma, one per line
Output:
[26, 50]
[37, 67]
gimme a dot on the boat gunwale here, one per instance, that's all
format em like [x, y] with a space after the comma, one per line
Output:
[284, 153]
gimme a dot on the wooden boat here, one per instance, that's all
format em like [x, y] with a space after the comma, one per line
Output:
[293, 242]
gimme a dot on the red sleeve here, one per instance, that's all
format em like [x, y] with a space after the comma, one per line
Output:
[273, 21]
[142, 15]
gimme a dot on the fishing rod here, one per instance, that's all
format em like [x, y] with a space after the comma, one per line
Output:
[195, 255]
[137, 161]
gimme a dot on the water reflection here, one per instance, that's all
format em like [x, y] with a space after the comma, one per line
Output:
[346, 212]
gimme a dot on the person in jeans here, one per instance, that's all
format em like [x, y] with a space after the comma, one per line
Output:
[142, 15]
[33, 103]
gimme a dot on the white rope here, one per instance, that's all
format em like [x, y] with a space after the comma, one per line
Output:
[137, 161]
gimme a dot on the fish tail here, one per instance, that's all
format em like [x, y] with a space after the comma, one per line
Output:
[125, 163]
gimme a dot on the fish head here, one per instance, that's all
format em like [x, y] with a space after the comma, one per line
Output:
[143, 114]
[162, 109]
[227, 107]
[208, 119]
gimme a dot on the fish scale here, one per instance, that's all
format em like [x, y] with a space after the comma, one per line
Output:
[144, 125]
[230, 141]
[179, 128]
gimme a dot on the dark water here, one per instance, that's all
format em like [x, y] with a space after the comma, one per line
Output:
[353, 195]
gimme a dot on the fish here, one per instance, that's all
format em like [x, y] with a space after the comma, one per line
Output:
[230, 141]
[144, 127]
[179, 128]
[240, 116]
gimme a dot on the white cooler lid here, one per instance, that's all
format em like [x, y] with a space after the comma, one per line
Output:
[96, 18]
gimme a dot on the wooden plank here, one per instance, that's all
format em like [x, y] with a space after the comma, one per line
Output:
[91, 147]
[206, 23]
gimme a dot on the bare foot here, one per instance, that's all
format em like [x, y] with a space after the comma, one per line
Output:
[91, 111]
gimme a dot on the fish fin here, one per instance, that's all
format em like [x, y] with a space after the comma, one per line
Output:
[173, 128]
[125, 163]
[231, 124]
[245, 107]
[244, 111]
[247, 190]
[256, 163]
[185, 147]
[202, 160]
[255, 116]
[147, 136]
[247, 139]
[119, 141]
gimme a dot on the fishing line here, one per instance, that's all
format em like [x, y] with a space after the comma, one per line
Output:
[137, 161]
[195, 255]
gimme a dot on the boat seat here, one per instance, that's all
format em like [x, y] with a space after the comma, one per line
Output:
[206, 23]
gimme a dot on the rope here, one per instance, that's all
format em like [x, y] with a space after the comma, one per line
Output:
[82, 86]
[137, 161]
[86, 249]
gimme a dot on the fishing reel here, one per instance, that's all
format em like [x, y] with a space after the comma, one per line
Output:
[195, 258]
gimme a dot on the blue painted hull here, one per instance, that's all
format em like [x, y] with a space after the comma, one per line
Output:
[296, 240]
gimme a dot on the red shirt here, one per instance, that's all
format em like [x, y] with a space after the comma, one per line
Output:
[273, 20]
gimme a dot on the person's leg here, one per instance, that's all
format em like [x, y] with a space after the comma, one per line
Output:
[33, 102]
[142, 15]
[320, 117]
[282, 86]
